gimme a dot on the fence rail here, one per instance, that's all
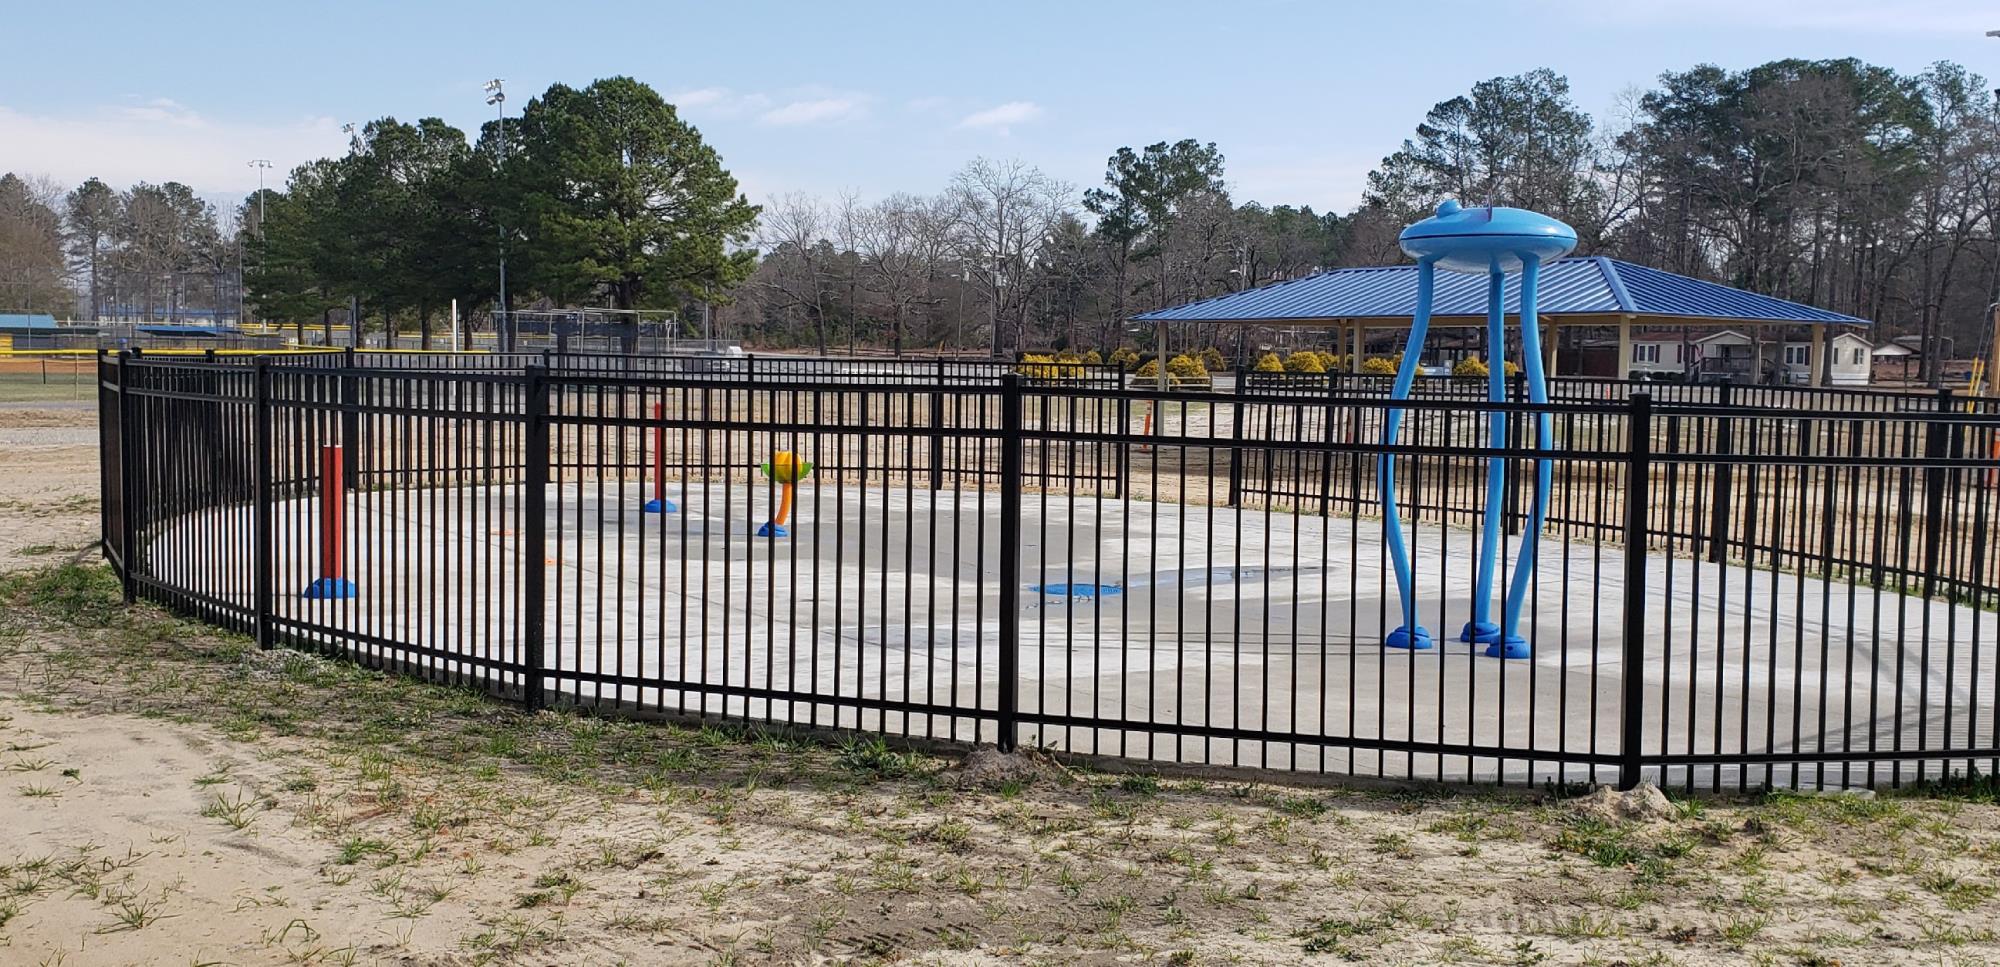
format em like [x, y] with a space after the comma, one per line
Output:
[1725, 594]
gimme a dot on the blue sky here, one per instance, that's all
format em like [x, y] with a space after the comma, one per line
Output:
[1303, 98]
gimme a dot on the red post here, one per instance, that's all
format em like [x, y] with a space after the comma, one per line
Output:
[660, 504]
[659, 452]
[332, 582]
[332, 511]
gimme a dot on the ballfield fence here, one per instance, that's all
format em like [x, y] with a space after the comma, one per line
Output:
[1724, 593]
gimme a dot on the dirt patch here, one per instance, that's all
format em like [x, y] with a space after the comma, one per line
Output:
[362, 818]
[49, 504]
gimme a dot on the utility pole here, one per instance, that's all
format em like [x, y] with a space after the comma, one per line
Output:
[496, 95]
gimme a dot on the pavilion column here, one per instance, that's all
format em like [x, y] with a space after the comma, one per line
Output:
[1360, 340]
[1756, 354]
[1624, 347]
[1550, 349]
[1817, 366]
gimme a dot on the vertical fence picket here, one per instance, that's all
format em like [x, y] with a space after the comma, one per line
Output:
[129, 470]
[1009, 622]
[1718, 523]
[262, 558]
[1937, 446]
[1632, 670]
[534, 533]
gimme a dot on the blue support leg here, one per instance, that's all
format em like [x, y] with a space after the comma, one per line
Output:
[1512, 643]
[1482, 629]
[1409, 634]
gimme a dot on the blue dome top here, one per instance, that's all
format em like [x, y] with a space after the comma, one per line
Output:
[1483, 239]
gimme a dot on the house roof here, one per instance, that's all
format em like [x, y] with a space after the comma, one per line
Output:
[1594, 286]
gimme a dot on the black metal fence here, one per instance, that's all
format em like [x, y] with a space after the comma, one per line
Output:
[1725, 594]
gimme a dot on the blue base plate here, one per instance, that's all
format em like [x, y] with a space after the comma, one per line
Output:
[1513, 646]
[1078, 590]
[1480, 632]
[328, 589]
[659, 505]
[1416, 639]
[768, 529]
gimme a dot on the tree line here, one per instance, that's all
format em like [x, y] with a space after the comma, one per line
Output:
[1833, 182]
[151, 251]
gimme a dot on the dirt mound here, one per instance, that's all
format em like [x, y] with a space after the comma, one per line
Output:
[987, 767]
[1644, 803]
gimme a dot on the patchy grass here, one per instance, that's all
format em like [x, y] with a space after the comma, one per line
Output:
[463, 829]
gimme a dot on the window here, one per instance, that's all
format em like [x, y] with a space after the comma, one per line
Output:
[1646, 352]
[1859, 357]
[1797, 355]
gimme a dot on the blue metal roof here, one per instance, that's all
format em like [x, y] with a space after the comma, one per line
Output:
[22, 320]
[1569, 287]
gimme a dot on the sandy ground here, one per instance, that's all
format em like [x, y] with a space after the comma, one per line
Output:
[173, 796]
[48, 483]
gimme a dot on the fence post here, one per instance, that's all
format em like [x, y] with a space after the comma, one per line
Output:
[262, 565]
[127, 470]
[1937, 447]
[1516, 393]
[534, 535]
[1236, 444]
[1718, 504]
[1124, 453]
[1010, 557]
[937, 430]
[1638, 486]
[350, 421]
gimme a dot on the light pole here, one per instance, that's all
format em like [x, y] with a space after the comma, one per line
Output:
[496, 95]
[261, 164]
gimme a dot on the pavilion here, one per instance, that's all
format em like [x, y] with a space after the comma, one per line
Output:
[1591, 291]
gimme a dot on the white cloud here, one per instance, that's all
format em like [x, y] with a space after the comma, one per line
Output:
[816, 111]
[719, 102]
[793, 106]
[160, 140]
[700, 98]
[164, 110]
[1854, 16]
[1002, 117]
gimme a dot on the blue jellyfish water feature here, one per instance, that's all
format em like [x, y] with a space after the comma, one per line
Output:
[1495, 241]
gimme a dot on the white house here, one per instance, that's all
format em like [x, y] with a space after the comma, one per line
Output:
[1659, 353]
[1732, 355]
[1850, 360]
